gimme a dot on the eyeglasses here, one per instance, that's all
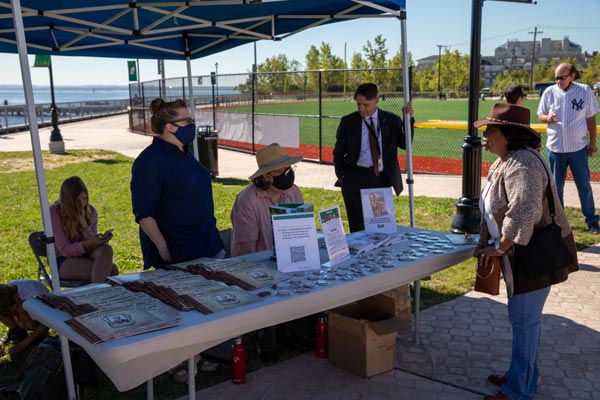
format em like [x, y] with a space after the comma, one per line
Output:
[561, 78]
[283, 171]
[524, 95]
[188, 121]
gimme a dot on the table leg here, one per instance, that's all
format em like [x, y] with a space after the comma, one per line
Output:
[192, 378]
[150, 389]
[418, 312]
[417, 336]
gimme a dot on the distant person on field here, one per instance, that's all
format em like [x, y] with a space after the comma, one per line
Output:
[569, 108]
[515, 95]
[272, 183]
[17, 320]
[356, 165]
[81, 252]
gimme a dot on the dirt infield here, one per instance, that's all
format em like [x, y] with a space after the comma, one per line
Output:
[421, 164]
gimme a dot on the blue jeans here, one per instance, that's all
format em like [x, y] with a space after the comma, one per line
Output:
[525, 315]
[578, 162]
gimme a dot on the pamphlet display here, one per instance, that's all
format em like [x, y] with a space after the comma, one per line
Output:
[335, 240]
[378, 210]
[288, 208]
[232, 271]
[296, 238]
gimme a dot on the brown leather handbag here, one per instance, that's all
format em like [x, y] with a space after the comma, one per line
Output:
[488, 277]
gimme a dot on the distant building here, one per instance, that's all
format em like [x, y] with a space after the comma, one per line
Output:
[516, 54]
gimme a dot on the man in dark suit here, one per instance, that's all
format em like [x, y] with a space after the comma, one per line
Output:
[356, 166]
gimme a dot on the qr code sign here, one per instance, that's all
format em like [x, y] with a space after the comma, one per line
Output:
[297, 254]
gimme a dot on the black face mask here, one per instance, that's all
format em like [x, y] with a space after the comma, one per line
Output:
[285, 180]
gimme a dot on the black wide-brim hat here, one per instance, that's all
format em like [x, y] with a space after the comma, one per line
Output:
[509, 114]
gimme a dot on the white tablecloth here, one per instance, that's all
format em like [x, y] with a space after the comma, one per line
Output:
[131, 361]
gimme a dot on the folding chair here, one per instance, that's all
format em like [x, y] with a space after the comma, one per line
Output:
[38, 246]
[226, 238]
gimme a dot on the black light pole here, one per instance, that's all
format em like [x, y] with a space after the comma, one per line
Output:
[439, 68]
[468, 215]
[55, 135]
[217, 80]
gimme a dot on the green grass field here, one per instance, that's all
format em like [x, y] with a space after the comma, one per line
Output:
[442, 143]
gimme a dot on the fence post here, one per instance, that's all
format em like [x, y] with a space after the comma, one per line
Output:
[320, 116]
[253, 103]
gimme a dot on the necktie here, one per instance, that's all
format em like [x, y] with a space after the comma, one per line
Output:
[374, 146]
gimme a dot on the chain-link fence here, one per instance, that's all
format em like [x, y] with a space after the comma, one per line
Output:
[301, 110]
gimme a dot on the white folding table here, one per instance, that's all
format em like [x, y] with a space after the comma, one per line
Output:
[131, 361]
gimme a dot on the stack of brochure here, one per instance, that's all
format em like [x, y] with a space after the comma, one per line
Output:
[361, 242]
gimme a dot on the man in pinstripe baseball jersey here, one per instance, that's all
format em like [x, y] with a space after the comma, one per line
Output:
[569, 108]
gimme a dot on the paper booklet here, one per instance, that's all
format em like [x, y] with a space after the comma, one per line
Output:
[233, 271]
[187, 292]
[361, 242]
[219, 299]
[118, 322]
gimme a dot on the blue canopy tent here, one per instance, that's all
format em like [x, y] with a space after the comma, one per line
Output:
[175, 30]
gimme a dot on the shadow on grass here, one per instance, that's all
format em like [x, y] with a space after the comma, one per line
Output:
[110, 161]
[231, 181]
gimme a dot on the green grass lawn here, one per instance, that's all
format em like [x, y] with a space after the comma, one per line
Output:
[107, 175]
[442, 143]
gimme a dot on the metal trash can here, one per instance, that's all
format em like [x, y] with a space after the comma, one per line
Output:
[208, 148]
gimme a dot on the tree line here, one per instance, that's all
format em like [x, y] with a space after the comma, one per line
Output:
[287, 75]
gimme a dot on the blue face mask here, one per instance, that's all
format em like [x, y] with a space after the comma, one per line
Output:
[186, 134]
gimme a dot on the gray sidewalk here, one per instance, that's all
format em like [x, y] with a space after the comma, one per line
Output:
[469, 336]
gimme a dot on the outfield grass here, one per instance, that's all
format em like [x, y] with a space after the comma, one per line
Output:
[107, 175]
[439, 143]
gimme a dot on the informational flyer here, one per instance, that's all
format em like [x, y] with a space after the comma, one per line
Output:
[378, 210]
[335, 239]
[295, 237]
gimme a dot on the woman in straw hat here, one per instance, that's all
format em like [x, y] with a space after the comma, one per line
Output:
[171, 192]
[272, 183]
[513, 205]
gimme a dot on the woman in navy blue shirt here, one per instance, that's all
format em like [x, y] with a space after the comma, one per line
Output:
[171, 192]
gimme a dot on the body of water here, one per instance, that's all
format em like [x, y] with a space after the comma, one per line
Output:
[15, 94]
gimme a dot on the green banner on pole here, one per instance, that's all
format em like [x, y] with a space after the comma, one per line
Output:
[42, 61]
[132, 71]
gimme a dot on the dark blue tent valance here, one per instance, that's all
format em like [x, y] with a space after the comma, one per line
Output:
[172, 29]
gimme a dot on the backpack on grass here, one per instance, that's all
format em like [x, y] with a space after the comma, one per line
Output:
[42, 375]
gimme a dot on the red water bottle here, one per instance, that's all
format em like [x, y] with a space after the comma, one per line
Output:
[322, 338]
[238, 362]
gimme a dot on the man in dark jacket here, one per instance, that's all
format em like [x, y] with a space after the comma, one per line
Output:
[356, 165]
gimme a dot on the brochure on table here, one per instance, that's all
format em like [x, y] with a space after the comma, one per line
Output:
[335, 239]
[378, 210]
[295, 237]
[289, 208]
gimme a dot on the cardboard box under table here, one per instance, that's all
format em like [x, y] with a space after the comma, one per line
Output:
[362, 336]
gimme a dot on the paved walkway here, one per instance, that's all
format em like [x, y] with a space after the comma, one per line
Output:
[469, 336]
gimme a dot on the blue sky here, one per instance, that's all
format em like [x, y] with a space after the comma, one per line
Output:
[429, 23]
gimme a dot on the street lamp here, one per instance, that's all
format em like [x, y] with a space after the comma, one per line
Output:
[217, 80]
[57, 145]
[440, 69]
